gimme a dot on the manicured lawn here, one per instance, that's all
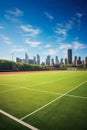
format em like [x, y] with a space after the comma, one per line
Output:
[22, 94]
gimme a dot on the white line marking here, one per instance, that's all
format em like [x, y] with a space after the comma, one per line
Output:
[52, 101]
[41, 91]
[27, 86]
[18, 120]
[10, 90]
[76, 96]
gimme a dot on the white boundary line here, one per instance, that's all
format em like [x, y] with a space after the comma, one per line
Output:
[52, 101]
[27, 86]
[18, 120]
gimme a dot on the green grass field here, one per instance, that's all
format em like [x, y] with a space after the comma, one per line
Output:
[46, 100]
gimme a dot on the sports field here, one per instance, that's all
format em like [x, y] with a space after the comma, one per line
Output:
[44, 100]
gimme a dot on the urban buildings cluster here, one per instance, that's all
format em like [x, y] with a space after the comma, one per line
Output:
[52, 61]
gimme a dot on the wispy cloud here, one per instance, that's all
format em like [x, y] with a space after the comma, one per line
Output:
[78, 45]
[65, 46]
[47, 46]
[5, 39]
[51, 52]
[13, 15]
[79, 16]
[33, 32]
[49, 15]
[16, 12]
[74, 45]
[32, 43]
[63, 28]
[13, 19]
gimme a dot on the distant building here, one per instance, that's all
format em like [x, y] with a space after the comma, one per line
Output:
[69, 56]
[56, 60]
[38, 60]
[85, 60]
[52, 61]
[65, 61]
[26, 58]
[34, 60]
[18, 59]
[31, 61]
[61, 61]
[48, 60]
[79, 60]
[75, 60]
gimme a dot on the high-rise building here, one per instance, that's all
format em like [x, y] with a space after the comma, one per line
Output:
[26, 58]
[56, 60]
[48, 60]
[85, 60]
[79, 60]
[75, 60]
[61, 61]
[69, 56]
[38, 60]
[52, 61]
[65, 61]
[34, 59]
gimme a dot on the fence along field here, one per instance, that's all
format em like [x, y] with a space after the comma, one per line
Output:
[45, 100]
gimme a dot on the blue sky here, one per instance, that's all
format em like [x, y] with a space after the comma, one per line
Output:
[44, 27]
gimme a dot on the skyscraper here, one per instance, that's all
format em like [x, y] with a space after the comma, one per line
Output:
[48, 60]
[26, 58]
[69, 56]
[56, 60]
[38, 60]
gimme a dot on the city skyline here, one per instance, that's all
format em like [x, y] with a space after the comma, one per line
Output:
[53, 61]
[44, 27]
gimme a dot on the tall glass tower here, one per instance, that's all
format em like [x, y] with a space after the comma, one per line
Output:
[69, 56]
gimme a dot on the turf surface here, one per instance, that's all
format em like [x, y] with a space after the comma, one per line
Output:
[21, 94]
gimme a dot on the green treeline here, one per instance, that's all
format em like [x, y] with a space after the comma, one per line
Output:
[6, 65]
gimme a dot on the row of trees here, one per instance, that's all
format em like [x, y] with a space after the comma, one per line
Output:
[6, 65]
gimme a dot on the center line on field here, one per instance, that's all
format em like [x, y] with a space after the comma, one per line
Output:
[52, 101]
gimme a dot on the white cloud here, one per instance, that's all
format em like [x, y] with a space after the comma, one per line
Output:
[16, 12]
[69, 25]
[61, 31]
[63, 28]
[51, 52]
[78, 15]
[32, 43]
[30, 30]
[78, 45]
[48, 15]
[6, 39]
[11, 18]
[47, 46]
[65, 46]
[60, 39]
